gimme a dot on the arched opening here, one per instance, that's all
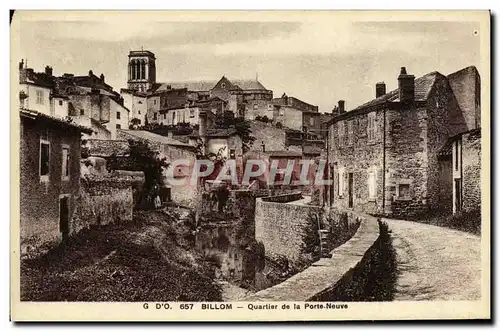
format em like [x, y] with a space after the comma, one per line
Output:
[132, 66]
[143, 69]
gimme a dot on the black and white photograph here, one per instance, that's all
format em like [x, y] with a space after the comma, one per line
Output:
[269, 165]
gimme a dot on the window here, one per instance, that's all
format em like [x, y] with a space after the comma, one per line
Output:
[118, 115]
[404, 191]
[232, 154]
[39, 97]
[65, 163]
[371, 127]
[456, 154]
[372, 184]
[154, 101]
[82, 112]
[340, 181]
[311, 121]
[341, 129]
[139, 112]
[44, 160]
[165, 116]
[350, 132]
[223, 85]
[191, 113]
[118, 126]
[255, 106]
[60, 102]
[155, 116]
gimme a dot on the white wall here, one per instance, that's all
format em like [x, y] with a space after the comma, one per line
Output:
[60, 107]
[31, 101]
[123, 121]
[137, 105]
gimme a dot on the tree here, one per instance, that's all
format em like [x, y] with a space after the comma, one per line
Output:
[242, 127]
[142, 158]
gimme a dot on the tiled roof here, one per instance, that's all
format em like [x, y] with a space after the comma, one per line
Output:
[247, 84]
[196, 86]
[39, 79]
[146, 135]
[423, 86]
[28, 113]
[446, 150]
[105, 148]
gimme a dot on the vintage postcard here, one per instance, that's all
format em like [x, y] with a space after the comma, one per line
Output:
[250, 166]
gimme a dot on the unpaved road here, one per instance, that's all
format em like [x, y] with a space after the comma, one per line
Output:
[435, 263]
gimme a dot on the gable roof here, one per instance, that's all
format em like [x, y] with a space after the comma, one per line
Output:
[33, 114]
[193, 86]
[423, 86]
[247, 84]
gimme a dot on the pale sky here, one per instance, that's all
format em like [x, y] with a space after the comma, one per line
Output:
[319, 62]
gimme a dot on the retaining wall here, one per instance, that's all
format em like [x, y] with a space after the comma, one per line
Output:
[281, 226]
[322, 279]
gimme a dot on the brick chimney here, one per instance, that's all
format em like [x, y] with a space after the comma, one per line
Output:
[48, 70]
[380, 89]
[406, 84]
[341, 106]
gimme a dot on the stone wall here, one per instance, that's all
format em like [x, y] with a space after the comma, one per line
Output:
[281, 227]
[471, 167]
[321, 280]
[106, 199]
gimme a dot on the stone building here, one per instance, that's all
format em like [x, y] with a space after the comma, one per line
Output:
[172, 150]
[49, 177]
[460, 172]
[384, 155]
[296, 114]
[87, 100]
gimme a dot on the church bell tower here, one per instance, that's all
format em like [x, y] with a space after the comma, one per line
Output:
[141, 70]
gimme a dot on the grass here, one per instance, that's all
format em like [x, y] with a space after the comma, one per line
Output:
[142, 261]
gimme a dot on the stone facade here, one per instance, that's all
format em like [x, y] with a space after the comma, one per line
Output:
[281, 226]
[49, 179]
[388, 146]
[471, 169]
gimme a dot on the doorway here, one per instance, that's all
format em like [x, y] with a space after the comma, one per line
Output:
[332, 187]
[458, 194]
[350, 189]
[64, 217]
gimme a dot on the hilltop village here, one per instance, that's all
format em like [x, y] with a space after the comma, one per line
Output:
[92, 157]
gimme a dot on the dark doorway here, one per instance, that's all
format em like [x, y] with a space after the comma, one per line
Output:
[458, 194]
[64, 217]
[350, 188]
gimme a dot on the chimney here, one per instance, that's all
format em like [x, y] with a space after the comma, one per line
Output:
[341, 106]
[21, 64]
[379, 89]
[169, 87]
[48, 70]
[91, 73]
[406, 84]
[102, 78]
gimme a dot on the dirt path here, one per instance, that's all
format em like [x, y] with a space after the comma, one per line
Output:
[435, 263]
